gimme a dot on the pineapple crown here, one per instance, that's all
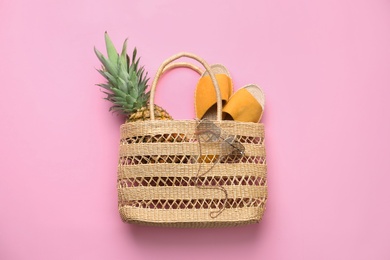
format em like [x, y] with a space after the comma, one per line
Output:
[126, 80]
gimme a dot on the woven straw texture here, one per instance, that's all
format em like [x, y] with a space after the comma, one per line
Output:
[168, 176]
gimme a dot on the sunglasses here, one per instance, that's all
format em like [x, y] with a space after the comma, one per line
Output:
[208, 132]
[231, 151]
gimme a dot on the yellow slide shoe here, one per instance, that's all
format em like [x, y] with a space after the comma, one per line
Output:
[205, 96]
[245, 105]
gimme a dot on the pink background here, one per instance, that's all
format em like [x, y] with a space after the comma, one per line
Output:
[324, 66]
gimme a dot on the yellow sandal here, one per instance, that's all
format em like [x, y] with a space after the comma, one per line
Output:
[245, 105]
[205, 97]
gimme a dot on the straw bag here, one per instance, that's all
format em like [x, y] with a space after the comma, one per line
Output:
[191, 173]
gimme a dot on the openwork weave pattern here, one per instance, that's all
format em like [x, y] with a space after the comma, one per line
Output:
[164, 180]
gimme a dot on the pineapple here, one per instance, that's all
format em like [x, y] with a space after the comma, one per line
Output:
[126, 88]
[126, 84]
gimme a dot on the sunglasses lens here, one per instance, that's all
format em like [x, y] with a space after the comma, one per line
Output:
[232, 148]
[208, 131]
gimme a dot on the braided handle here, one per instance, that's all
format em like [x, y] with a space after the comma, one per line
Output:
[166, 65]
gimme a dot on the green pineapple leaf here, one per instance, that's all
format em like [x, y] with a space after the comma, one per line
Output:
[111, 51]
[118, 92]
[123, 56]
[106, 63]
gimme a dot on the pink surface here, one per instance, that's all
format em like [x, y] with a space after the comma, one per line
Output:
[324, 66]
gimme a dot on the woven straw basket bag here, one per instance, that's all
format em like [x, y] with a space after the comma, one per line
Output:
[191, 173]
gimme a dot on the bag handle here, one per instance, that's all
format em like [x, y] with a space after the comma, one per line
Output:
[183, 65]
[165, 66]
